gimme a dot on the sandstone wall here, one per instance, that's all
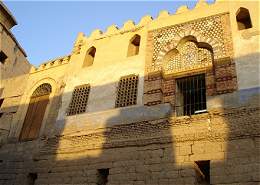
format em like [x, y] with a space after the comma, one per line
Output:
[13, 78]
[150, 152]
[145, 143]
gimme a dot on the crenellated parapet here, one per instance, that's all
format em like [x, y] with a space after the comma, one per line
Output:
[51, 64]
[130, 25]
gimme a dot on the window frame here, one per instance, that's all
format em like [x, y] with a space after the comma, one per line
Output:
[243, 18]
[75, 106]
[191, 98]
[3, 57]
[133, 48]
[121, 97]
[89, 57]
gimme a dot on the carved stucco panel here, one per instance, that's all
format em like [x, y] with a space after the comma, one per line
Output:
[186, 57]
[213, 30]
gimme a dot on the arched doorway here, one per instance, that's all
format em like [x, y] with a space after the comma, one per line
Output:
[35, 112]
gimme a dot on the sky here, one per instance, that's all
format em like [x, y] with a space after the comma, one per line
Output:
[48, 29]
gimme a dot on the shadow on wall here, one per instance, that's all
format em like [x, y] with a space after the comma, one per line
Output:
[142, 145]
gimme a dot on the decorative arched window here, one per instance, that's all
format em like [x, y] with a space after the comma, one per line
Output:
[35, 112]
[90, 56]
[243, 19]
[133, 48]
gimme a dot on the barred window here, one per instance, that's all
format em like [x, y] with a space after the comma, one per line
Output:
[190, 95]
[127, 91]
[79, 100]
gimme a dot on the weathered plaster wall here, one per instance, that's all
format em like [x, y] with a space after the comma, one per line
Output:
[140, 144]
[52, 74]
[157, 152]
[13, 76]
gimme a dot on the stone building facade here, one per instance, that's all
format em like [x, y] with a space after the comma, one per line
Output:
[14, 71]
[170, 100]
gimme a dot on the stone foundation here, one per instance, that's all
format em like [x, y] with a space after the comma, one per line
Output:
[153, 152]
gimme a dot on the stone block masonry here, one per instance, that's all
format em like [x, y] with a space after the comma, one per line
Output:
[168, 101]
[155, 152]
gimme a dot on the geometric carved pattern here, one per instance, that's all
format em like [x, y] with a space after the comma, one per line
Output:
[127, 91]
[186, 57]
[213, 30]
[187, 49]
[79, 100]
[43, 89]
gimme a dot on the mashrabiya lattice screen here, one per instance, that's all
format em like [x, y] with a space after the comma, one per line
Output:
[127, 91]
[79, 100]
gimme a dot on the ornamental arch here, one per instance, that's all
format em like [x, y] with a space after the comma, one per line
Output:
[90, 57]
[43, 89]
[188, 56]
[35, 112]
[134, 45]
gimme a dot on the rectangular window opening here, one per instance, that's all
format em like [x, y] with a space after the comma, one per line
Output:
[191, 95]
[127, 91]
[3, 57]
[79, 100]
[103, 176]
[31, 178]
[202, 169]
[1, 101]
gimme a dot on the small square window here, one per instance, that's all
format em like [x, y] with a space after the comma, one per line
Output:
[133, 48]
[3, 57]
[243, 19]
[202, 169]
[1, 101]
[31, 178]
[102, 177]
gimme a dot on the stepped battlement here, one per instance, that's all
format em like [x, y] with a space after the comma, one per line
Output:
[112, 30]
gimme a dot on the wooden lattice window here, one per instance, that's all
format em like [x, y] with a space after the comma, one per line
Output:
[79, 100]
[127, 91]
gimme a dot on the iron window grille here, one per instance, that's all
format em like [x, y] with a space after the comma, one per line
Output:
[191, 95]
